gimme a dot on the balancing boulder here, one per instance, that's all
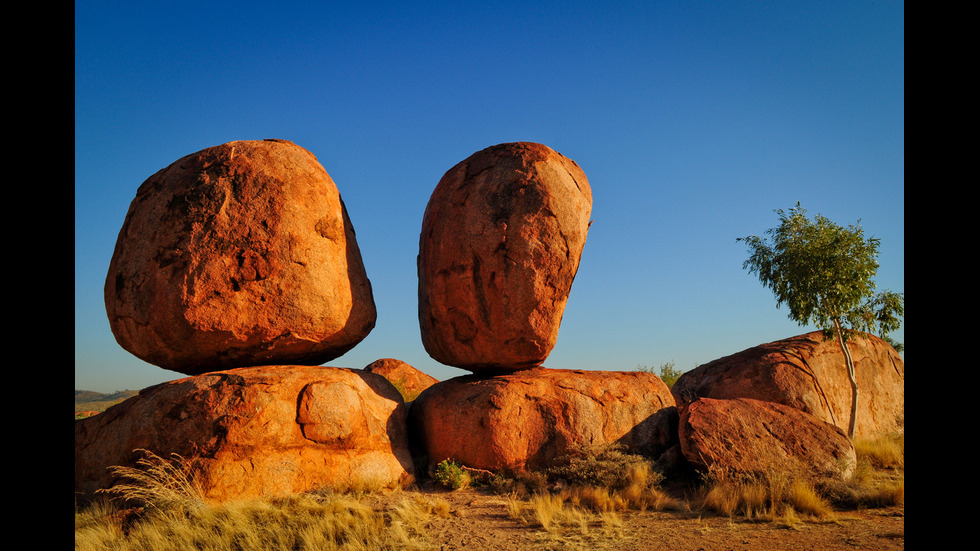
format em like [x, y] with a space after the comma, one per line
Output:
[238, 255]
[501, 240]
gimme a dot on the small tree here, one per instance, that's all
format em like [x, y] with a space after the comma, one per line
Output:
[823, 273]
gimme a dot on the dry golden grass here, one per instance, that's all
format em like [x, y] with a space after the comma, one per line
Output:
[787, 498]
[170, 514]
[308, 521]
[160, 508]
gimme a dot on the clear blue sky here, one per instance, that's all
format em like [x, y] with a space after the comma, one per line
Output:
[693, 121]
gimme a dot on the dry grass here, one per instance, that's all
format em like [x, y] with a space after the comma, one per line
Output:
[879, 479]
[171, 515]
[790, 498]
[582, 505]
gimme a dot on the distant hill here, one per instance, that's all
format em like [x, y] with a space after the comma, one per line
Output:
[87, 400]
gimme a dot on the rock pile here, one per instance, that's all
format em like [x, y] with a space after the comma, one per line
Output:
[807, 372]
[501, 241]
[238, 265]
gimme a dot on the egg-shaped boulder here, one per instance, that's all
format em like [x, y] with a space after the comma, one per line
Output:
[502, 236]
[240, 254]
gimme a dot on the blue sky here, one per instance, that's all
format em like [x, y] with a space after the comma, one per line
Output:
[693, 120]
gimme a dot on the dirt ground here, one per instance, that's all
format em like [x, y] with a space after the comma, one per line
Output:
[480, 521]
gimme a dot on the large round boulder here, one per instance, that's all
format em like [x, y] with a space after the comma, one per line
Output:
[536, 418]
[808, 372]
[240, 254]
[259, 431]
[501, 240]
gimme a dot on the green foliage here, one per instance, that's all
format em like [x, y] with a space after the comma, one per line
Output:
[881, 315]
[667, 372]
[821, 271]
[451, 475]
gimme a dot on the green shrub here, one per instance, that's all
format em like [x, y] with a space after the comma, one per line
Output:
[668, 372]
[451, 475]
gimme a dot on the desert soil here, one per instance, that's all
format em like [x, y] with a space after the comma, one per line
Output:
[480, 521]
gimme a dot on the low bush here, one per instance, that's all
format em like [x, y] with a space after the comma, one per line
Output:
[451, 474]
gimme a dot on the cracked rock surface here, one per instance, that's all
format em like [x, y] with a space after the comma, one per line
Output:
[257, 431]
[240, 254]
[501, 240]
[532, 419]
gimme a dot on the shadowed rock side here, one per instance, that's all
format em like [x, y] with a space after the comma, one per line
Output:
[260, 431]
[240, 254]
[752, 437]
[409, 380]
[807, 372]
[501, 240]
[531, 419]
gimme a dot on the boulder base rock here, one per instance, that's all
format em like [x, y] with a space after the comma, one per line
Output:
[501, 240]
[756, 438]
[240, 254]
[260, 431]
[807, 372]
[407, 379]
[532, 419]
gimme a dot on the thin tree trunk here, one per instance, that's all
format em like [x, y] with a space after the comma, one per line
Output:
[850, 373]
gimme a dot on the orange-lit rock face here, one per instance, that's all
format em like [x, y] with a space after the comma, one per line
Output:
[808, 372]
[240, 254]
[501, 241]
[257, 431]
[409, 379]
[533, 419]
[760, 438]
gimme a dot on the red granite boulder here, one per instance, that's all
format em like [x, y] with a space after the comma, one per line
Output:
[501, 240]
[761, 439]
[533, 419]
[260, 431]
[807, 372]
[407, 379]
[240, 254]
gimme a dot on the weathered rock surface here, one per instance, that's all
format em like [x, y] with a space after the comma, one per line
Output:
[409, 380]
[531, 419]
[501, 240]
[752, 437]
[240, 254]
[260, 431]
[807, 372]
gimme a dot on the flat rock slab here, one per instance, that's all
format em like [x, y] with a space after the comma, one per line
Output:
[532, 419]
[261, 431]
[240, 254]
[501, 240]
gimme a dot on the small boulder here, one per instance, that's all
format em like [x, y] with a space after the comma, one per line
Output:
[807, 372]
[407, 379]
[501, 240]
[756, 438]
[260, 431]
[533, 419]
[240, 254]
